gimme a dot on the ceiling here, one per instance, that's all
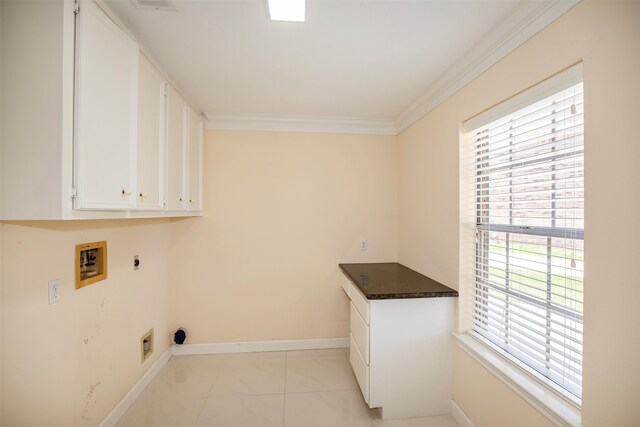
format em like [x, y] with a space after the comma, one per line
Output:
[351, 59]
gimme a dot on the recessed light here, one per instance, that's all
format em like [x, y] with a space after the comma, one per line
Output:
[287, 10]
[154, 5]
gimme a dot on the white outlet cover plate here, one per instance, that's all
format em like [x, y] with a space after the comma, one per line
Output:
[54, 291]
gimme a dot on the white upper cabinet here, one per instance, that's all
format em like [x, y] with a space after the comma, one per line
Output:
[108, 143]
[106, 113]
[175, 194]
[194, 167]
[151, 134]
[183, 190]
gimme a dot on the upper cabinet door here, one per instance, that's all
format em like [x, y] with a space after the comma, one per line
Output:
[151, 120]
[106, 113]
[194, 151]
[175, 194]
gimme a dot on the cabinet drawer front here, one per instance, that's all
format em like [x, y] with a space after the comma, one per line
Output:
[360, 368]
[360, 302]
[360, 333]
[345, 284]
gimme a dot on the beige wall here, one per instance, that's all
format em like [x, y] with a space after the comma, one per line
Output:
[1, 229]
[282, 210]
[69, 363]
[1, 336]
[605, 35]
[478, 389]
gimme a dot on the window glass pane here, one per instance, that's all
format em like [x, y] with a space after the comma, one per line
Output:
[529, 200]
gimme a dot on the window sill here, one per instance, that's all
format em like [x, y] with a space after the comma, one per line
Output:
[557, 409]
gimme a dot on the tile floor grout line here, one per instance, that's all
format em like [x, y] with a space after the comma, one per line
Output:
[208, 396]
[322, 391]
[233, 414]
[246, 395]
[202, 405]
[284, 396]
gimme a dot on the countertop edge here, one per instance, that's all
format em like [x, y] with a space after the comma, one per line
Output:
[374, 297]
[407, 295]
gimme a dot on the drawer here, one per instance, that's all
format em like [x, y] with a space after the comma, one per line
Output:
[346, 284]
[360, 368]
[360, 333]
[360, 302]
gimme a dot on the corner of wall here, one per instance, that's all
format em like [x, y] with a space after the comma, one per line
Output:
[1, 225]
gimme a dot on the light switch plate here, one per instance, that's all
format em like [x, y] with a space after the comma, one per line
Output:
[54, 291]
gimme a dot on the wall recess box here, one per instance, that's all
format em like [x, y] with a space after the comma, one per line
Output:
[91, 263]
[146, 344]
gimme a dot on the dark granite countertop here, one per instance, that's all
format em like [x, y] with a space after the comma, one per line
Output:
[391, 280]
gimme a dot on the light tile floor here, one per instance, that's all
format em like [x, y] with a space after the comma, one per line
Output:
[284, 389]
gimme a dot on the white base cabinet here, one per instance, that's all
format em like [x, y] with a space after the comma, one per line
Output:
[401, 352]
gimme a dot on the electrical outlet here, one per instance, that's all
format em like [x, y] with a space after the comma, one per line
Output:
[363, 245]
[136, 262]
[54, 291]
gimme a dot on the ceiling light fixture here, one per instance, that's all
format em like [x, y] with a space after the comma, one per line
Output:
[165, 5]
[287, 10]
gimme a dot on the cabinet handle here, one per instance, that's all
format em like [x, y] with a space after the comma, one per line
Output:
[126, 192]
[143, 195]
[181, 199]
[190, 201]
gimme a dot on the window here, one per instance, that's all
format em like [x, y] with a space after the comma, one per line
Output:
[528, 172]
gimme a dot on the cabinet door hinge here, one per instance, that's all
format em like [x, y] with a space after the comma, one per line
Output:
[76, 6]
[74, 193]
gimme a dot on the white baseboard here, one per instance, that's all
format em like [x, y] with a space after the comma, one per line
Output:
[257, 346]
[118, 411]
[461, 418]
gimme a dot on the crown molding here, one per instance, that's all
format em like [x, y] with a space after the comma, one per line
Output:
[522, 23]
[299, 124]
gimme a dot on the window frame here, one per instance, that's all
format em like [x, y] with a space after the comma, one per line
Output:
[549, 87]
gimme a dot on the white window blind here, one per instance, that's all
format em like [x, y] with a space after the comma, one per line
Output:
[528, 167]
